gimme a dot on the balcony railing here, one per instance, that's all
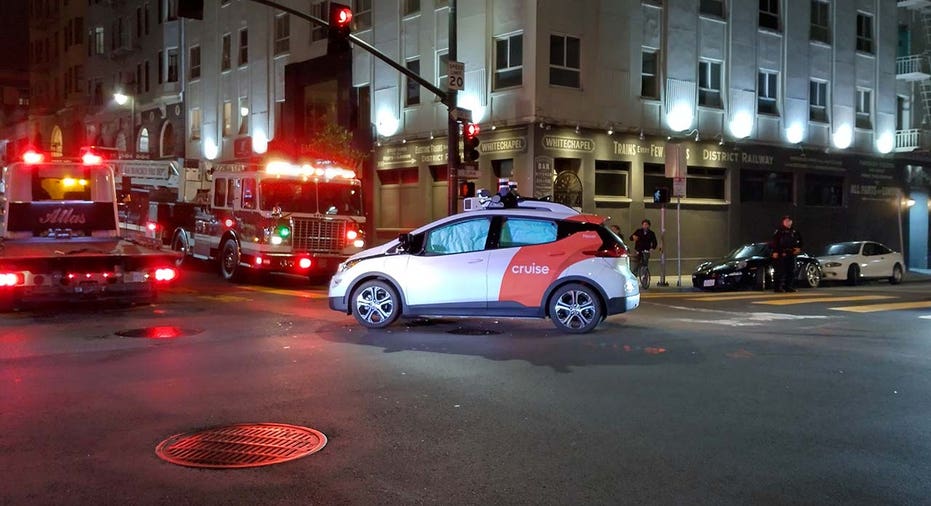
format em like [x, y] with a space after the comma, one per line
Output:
[913, 4]
[912, 68]
[910, 140]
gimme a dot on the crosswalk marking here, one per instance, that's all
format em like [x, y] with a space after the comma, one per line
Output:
[808, 300]
[892, 306]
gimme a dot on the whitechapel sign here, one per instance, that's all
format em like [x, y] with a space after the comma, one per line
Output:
[568, 143]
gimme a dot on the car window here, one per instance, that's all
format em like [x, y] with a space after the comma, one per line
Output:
[870, 249]
[524, 232]
[882, 249]
[458, 237]
[844, 248]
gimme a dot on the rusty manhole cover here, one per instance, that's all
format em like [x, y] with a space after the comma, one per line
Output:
[160, 332]
[465, 331]
[241, 445]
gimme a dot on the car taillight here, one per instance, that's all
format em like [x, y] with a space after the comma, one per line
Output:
[11, 278]
[614, 251]
[165, 274]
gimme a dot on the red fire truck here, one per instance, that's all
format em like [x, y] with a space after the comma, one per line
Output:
[281, 217]
[59, 237]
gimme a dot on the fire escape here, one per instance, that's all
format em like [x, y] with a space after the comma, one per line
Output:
[916, 69]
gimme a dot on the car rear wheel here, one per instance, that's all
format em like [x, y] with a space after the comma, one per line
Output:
[375, 304]
[575, 308]
[229, 261]
[897, 275]
[812, 276]
[853, 275]
[179, 244]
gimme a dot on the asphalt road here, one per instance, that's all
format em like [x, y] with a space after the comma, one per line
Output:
[693, 398]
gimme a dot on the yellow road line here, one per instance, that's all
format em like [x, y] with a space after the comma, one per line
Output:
[711, 297]
[292, 293]
[807, 300]
[892, 306]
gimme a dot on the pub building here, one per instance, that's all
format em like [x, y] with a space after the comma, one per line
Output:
[735, 192]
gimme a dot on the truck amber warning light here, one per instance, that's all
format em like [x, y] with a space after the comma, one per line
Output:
[286, 169]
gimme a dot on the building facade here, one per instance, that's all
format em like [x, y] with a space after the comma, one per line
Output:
[783, 107]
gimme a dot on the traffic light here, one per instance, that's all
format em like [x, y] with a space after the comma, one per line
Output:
[661, 195]
[193, 9]
[466, 189]
[470, 142]
[340, 26]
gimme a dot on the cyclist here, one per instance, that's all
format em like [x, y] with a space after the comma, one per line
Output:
[644, 242]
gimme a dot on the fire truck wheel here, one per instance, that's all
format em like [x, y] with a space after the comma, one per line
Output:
[375, 304]
[229, 261]
[179, 243]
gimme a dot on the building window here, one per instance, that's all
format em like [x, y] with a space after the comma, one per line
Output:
[706, 183]
[767, 91]
[820, 30]
[412, 93]
[99, 46]
[761, 186]
[226, 48]
[818, 101]
[362, 14]
[509, 61]
[147, 78]
[243, 115]
[195, 62]
[282, 33]
[709, 83]
[824, 190]
[864, 108]
[172, 11]
[442, 68]
[173, 65]
[712, 8]
[143, 145]
[565, 61]
[227, 118]
[611, 179]
[410, 7]
[243, 46]
[145, 17]
[320, 9]
[195, 124]
[649, 79]
[769, 14]
[161, 66]
[864, 33]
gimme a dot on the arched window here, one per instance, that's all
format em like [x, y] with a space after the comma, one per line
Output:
[143, 146]
[55, 146]
[167, 140]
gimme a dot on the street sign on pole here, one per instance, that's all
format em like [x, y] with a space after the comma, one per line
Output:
[468, 171]
[460, 114]
[456, 73]
[676, 159]
[678, 187]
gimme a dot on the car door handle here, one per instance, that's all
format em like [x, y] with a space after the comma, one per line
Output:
[477, 260]
[558, 254]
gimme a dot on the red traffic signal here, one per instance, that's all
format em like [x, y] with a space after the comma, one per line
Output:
[470, 142]
[340, 22]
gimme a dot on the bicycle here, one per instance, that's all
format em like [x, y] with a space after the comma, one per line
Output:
[643, 269]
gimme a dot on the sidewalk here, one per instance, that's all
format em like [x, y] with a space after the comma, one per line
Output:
[911, 276]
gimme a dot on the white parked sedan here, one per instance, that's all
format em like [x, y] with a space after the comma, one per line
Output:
[538, 259]
[858, 260]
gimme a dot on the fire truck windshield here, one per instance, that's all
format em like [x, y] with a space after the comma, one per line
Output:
[294, 197]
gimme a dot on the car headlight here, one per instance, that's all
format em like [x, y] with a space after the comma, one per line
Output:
[832, 264]
[348, 264]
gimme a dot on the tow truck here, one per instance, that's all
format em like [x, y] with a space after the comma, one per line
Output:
[60, 240]
[281, 217]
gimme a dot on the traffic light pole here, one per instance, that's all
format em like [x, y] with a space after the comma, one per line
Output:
[452, 172]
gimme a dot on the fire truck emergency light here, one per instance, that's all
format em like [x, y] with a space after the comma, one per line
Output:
[281, 168]
[32, 157]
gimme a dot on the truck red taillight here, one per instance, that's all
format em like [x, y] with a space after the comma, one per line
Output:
[165, 274]
[11, 278]
[304, 263]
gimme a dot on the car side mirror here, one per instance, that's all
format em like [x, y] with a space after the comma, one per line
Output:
[404, 242]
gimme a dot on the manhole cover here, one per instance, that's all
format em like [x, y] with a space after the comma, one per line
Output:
[473, 332]
[161, 332]
[241, 445]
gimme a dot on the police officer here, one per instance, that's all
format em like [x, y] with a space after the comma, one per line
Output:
[786, 244]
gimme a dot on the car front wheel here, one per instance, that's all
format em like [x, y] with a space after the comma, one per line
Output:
[853, 275]
[812, 276]
[375, 304]
[575, 308]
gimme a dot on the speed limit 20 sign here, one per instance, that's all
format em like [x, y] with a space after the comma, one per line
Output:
[456, 73]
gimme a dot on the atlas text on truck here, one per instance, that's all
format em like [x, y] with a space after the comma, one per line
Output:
[284, 217]
[60, 239]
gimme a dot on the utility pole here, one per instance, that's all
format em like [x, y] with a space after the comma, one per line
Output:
[453, 134]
